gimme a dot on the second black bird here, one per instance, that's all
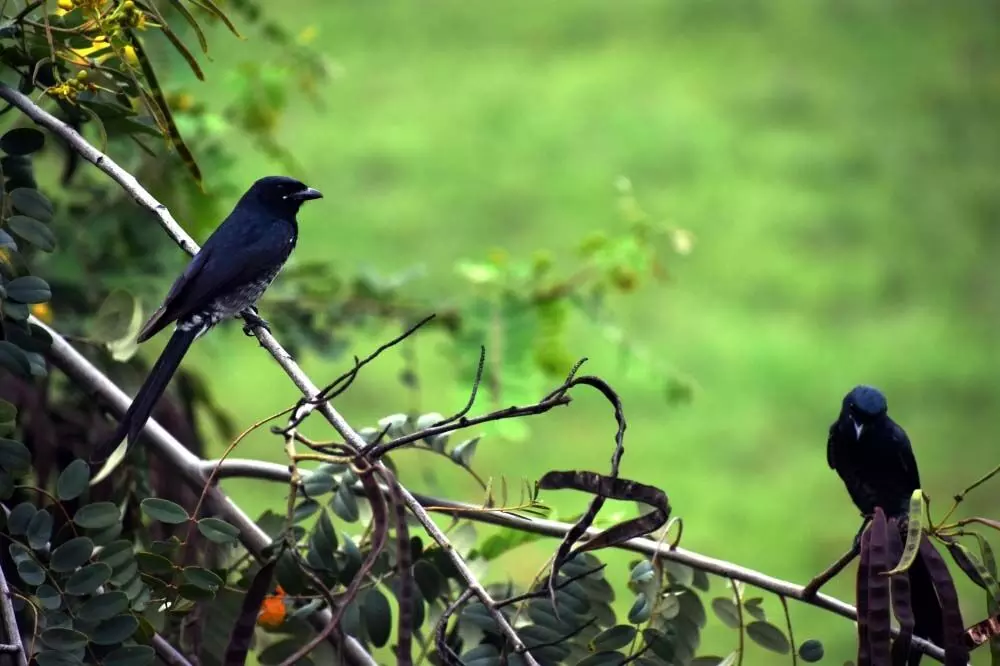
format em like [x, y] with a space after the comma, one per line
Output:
[234, 267]
[873, 456]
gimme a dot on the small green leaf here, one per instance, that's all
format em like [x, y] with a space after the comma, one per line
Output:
[104, 606]
[726, 610]
[752, 606]
[30, 572]
[20, 517]
[153, 564]
[40, 529]
[131, 655]
[768, 637]
[428, 580]
[202, 578]
[49, 597]
[97, 516]
[642, 572]
[123, 575]
[63, 639]
[56, 658]
[71, 554]
[318, 483]
[29, 289]
[811, 651]
[73, 480]
[463, 451]
[116, 553]
[641, 609]
[31, 203]
[14, 456]
[913, 534]
[164, 510]
[218, 530]
[22, 141]
[614, 638]
[88, 579]
[304, 509]
[194, 592]
[344, 504]
[377, 616]
[33, 231]
[114, 630]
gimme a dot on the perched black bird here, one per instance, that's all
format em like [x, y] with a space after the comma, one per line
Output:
[234, 267]
[872, 455]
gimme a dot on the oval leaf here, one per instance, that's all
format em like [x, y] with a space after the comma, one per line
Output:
[88, 579]
[72, 554]
[31, 203]
[104, 606]
[768, 637]
[63, 639]
[377, 617]
[22, 141]
[218, 530]
[726, 610]
[33, 231]
[40, 529]
[164, 510]
[114, 630]
[614, 638]
[29, 289]
[73, 480]
[14, 456]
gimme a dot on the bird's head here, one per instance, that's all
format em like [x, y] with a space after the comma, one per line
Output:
[281, 195]
[863, 406]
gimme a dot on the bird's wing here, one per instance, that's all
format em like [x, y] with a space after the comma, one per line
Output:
[831, 457]
[167, 312]
[236, 254]
[907, 462]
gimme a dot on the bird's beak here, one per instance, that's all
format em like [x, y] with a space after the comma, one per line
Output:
[305, 195]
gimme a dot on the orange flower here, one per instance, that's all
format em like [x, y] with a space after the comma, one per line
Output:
[272, 611]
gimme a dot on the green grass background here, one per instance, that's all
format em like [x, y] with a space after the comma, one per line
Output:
[836, 161]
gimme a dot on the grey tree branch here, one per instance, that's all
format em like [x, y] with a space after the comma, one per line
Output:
[295, 373]
[10, 624]
[82, 372]
[273, 472]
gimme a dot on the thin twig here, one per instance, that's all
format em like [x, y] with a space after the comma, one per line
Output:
[812, 587]
[791, 636]
[440, 641]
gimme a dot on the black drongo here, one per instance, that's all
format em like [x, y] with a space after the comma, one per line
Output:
[872, 455]
[234, 267]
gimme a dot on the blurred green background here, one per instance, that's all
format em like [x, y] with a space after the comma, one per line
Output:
[836, 162]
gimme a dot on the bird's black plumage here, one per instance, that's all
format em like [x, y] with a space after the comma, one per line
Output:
[873, 456]
[234, 267]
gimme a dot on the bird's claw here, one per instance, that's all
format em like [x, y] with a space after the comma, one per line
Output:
[254, 321]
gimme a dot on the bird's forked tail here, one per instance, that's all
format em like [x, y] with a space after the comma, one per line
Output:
[142, 405]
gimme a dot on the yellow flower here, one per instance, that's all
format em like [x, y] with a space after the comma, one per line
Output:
[42, 311]
[128, 54]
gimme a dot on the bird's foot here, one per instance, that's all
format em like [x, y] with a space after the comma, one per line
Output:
[253, 322]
